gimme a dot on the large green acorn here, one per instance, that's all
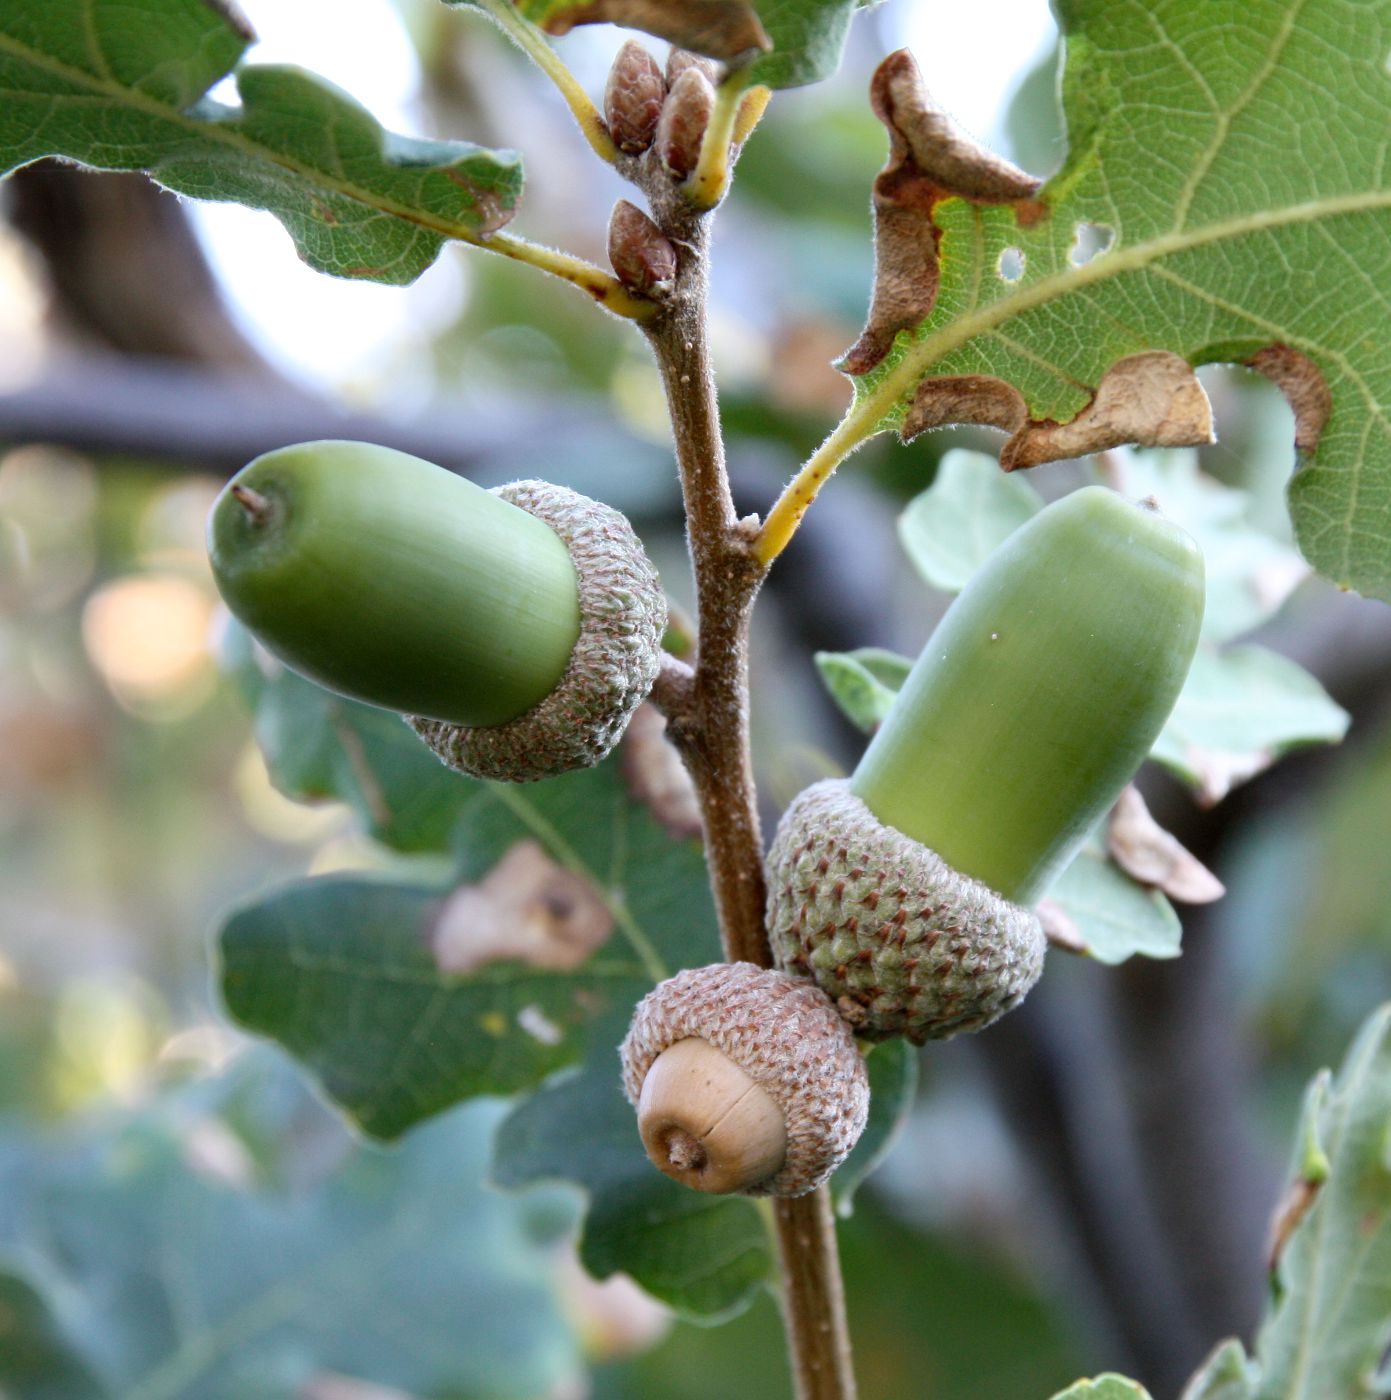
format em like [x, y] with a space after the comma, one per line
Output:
[906, 891]
[517, 629]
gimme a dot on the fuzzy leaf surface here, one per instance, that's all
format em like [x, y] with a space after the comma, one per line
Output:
[187, 1278]
[123, 84]
[952, 528]
[1107, 1387]
[1237, 157]
[1116, 917]
[1240, 709]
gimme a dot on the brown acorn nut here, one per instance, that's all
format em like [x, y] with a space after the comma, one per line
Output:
[745, 1080]
[614, 663]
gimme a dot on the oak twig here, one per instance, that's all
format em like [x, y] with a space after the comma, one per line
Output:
[711, 729]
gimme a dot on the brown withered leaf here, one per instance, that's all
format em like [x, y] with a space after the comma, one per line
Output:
[724, 29]
[930, 159]
[655, 775]
[1151, 855]
[965, 398]
[1305, 389]
[1297, 1202]
[1059, 928]
[1152, 398]
[526, 909]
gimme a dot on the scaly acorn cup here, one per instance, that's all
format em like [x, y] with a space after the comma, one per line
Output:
[905, 892]
[517, 629]
[745, 1081]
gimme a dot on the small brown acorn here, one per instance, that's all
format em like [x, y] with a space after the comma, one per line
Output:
[745, 1081]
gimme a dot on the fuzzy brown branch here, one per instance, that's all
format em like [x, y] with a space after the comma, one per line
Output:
[712, 732]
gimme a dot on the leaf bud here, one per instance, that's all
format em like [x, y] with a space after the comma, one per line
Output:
[633, 98]
[641, 254]
[685, 116]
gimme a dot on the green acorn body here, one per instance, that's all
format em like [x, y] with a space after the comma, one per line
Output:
[476, 613]
[906, 891]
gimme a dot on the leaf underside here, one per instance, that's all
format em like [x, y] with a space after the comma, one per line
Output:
[123, 85]
[1235, 156]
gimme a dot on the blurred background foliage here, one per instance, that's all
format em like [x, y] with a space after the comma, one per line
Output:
[1085, 1187]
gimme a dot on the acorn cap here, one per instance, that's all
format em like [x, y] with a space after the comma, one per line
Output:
[780, 1032]
[623, 614]
[903, 944]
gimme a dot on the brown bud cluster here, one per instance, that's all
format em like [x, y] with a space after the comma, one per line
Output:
[642, 257]
[633, 99]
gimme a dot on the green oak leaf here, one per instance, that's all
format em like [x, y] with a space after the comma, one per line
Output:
[1233, 155]
[319, 746]
[893, 1084]
[186, 1277]
[123, 84]
[1330, 1323]
[1250, 574]
[971, 508]
[344, 972]
[1225, 1375]
[863, 683]
[1114, 917]
[1240, 709]
[1107, 1387]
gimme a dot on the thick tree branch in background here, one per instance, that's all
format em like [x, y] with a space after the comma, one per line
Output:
[124, 267]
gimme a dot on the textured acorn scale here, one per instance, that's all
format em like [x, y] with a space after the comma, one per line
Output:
[902, 943]
[623, 615]
[786, 1036]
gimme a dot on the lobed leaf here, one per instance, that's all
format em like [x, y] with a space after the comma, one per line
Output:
[123, 85]
[1111, 916]
[1231, 161]
[1107, 1387]
[1240, 710]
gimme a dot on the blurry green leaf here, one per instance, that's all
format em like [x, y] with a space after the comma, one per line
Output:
[893, 1085]
[1248, 212]
[863, 683]
[1249, 573]
[1225, 1375]
[193, 1283]
[808, 39]
[122, 88]
[1331, 1322]
[37, 1361]
[1107, 1387]
[320, 746]
[1115, 917]
[969, 511]
[1240, 709]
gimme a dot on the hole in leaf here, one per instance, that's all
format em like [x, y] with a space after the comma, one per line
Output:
[1011, 266]
[1089, 241]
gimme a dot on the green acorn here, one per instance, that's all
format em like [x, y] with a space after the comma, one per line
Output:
[517, 629]
[906, 890]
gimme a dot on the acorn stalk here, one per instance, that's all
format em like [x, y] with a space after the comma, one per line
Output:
[1041, 692]
[392, 581]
